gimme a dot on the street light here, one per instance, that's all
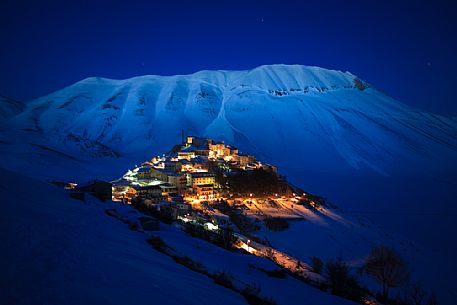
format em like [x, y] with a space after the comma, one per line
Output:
[248, 244]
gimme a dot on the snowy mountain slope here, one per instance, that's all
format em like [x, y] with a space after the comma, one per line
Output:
[323, 120]
[57, 250]
[316, 124]
[243, 270]
[9, 108]
[351, 236]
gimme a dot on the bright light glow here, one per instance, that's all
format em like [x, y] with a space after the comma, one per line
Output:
[228, 158]
[246, 247]
[210, 226]
[185, 219]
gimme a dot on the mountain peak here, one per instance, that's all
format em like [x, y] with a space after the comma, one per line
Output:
[275, 76]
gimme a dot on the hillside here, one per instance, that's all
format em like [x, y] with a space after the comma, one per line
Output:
[59, 250]
[56, 250]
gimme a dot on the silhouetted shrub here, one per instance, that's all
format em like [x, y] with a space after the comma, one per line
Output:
[224, 279]
[258, 182]
[414, 294]
[316, 264]
[252, 295]
[157, 243]
[278, 273]
[134, 226]
[342, 283]
[191, 264]
[225, 238]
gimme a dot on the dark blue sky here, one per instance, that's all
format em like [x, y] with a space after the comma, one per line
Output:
[406, 48]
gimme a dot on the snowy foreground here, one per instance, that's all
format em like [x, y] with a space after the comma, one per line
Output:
[390, 169]
[57, 250]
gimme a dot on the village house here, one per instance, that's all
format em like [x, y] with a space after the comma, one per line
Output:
[204, 191]
[123, 191]
[198, 142]
[144, 172]
[172, 166]
[220, 149]
[200, 164]
[158, 174]
[244, 159]
[222, 220]
[186, 153]
[173, 208]
[149, 191]
[201, 179]
[168, 190]
[98, 188]
[178, 180]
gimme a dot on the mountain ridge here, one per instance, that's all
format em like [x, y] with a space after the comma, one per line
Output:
[322, 120]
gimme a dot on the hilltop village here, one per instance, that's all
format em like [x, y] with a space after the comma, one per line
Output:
[198, 174]
[213, 192]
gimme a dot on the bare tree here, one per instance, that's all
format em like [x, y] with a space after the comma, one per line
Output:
[386, 267]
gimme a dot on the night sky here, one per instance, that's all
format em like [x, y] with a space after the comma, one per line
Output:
[407, 49]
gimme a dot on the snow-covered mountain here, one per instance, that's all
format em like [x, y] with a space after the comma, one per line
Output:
[295, 116]
[328, 131]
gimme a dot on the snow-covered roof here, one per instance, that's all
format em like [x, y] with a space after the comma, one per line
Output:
[122, 183]
[190, 148]
[144, 170]
[200, 159]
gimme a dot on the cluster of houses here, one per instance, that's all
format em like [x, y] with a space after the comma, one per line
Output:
[188, 172]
